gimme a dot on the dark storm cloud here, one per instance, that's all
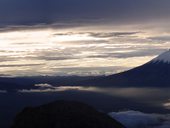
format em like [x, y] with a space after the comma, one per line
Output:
[20, 12]
[29, 12]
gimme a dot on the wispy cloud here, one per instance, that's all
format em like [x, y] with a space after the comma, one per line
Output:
[20, 65]
[3, 91]
[50, 88]
[111, 34]
[167, 104]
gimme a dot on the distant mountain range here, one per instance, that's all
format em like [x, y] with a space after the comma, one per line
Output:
[155, 73]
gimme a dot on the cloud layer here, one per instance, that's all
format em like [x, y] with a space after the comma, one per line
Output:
[77, 51]
[136, 119]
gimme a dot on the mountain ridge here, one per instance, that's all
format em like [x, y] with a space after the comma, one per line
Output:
[155, 73]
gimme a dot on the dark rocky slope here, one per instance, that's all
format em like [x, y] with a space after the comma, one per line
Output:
[64, 114]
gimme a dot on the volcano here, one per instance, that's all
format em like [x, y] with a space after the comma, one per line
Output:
[155, 73]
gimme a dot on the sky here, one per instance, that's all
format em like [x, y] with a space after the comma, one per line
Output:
[80, 37]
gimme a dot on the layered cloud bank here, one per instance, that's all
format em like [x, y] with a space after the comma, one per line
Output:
[136, 119]
[86, 50]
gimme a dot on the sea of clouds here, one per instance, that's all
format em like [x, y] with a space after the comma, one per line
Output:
[136, 119]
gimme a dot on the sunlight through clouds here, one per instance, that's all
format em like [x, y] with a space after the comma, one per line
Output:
[96, 51]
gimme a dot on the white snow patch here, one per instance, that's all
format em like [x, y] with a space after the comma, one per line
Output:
[164, 57]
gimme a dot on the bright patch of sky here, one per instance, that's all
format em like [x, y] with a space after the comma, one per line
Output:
[82, 50]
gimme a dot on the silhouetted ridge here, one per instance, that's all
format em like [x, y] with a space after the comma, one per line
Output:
[64, 114]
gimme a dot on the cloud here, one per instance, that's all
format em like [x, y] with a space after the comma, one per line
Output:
[136, 119]
[50, 88]
[140, 53]
[89, 71]
[40, 26]
[167, 104]
[160, 38]
[101, 35]
[49, 58]
[43, 85]
[129, 54]
[3, 91]
[19, 65]
[6, 58]
[112, 34]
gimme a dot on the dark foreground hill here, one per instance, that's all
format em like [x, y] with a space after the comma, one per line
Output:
[64, 114]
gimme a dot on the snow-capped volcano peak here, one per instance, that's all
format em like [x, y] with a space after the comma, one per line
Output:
[164, 57]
